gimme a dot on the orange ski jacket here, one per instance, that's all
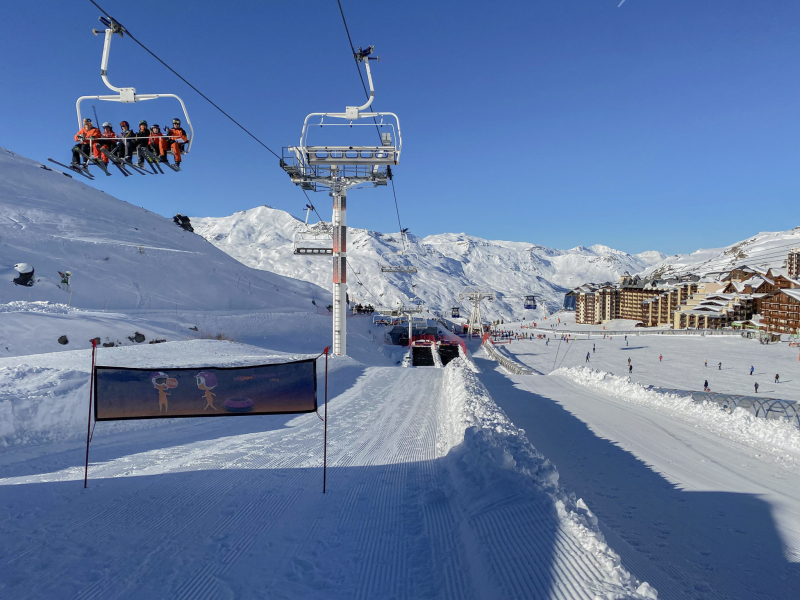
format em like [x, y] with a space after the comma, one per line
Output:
[177, 133]
[93, 132]
[154, 137]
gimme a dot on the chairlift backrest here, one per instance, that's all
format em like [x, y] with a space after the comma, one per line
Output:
[399, 262]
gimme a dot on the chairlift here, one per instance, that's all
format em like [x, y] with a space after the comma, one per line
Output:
[529, 302]
[306, 163]
[313, 240]
[399, 262]
[455, 312]
[126, 94]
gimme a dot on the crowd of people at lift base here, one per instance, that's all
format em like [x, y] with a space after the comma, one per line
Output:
[128, 143]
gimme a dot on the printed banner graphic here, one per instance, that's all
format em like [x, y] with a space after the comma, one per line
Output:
[126, 393]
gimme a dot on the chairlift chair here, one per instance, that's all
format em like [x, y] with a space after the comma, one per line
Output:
[126, 94]
[313, 240]
[399, 262]
[308, 164]
[455, 312]
[529, 302]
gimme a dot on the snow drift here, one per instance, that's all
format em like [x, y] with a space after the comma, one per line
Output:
[492, 458]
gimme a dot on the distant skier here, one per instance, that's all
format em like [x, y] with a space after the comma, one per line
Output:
[719, 366]
[626, 342]
[705, 386]
[752, 369]
[85, 138]
[629, 361]
[587, 356]
[630, 368]
[593, 349]
[756, 386]
[660, 358]
[706, 363]
[777, 378]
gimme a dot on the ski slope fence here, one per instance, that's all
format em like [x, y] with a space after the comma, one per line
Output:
[765, 408]
[507, 363]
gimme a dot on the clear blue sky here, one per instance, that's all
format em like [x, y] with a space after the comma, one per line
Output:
[667, 125]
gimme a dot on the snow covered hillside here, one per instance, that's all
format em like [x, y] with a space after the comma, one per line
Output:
[448, 263]
[121, 256]
[765, 250]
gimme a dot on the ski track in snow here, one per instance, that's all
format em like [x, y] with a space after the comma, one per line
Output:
[407, 513]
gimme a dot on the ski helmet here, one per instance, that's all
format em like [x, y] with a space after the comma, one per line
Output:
[87, 120]
[143, 123]
[176, 120]
[154, 126]
[124, 124]
[106, 124]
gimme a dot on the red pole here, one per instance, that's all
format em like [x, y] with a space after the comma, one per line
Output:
[325, 446]
[89, 424]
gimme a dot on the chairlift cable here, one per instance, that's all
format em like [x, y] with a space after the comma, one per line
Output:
[366, 92]
[206, 98]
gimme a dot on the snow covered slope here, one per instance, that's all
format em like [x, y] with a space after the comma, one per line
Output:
[448, 263]
[765, 250]
[121, 256]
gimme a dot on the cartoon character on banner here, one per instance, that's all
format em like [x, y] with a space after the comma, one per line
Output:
[207, 381]
[163, 382]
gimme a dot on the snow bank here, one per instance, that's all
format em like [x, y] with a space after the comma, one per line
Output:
[491, 457]
[774, 436]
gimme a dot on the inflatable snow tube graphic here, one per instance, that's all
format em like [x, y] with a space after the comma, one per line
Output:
[238, 405]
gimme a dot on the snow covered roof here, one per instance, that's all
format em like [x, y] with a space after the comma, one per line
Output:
[791, 293]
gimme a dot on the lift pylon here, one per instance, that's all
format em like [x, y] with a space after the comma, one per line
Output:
[338, 168]
[475, 297]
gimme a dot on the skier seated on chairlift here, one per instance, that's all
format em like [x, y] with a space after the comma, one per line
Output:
[174, 140]
[155, 141]
[126, 142]
[107, 140]
[141, 140]
[85, 144]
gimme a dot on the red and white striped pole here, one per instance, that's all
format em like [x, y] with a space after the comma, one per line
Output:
[339, 272]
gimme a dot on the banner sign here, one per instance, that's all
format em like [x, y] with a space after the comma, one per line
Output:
[127, 393]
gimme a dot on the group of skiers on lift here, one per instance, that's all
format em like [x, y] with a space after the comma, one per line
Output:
[90, 140]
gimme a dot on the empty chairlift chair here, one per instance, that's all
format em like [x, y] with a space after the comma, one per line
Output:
[313, 240]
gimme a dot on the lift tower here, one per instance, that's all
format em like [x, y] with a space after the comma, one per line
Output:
[338, 168]
[475, 298]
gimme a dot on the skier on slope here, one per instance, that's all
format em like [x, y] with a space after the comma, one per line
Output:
[777, 378]
[85, 138]
[752, 369]
[108, 140]
[587, 356]
[175, 138]
[705, 385]
[756, 386]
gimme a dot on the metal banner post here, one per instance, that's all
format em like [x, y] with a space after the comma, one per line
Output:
[89, 424]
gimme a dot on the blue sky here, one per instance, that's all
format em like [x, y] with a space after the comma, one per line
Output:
[666, 125]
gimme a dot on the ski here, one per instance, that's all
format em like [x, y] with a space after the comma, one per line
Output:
[153, 159]
[116, 161]
[96, 161]
[77, 170]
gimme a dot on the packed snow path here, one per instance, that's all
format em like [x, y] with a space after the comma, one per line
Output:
[207, 509]
[695, 514]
